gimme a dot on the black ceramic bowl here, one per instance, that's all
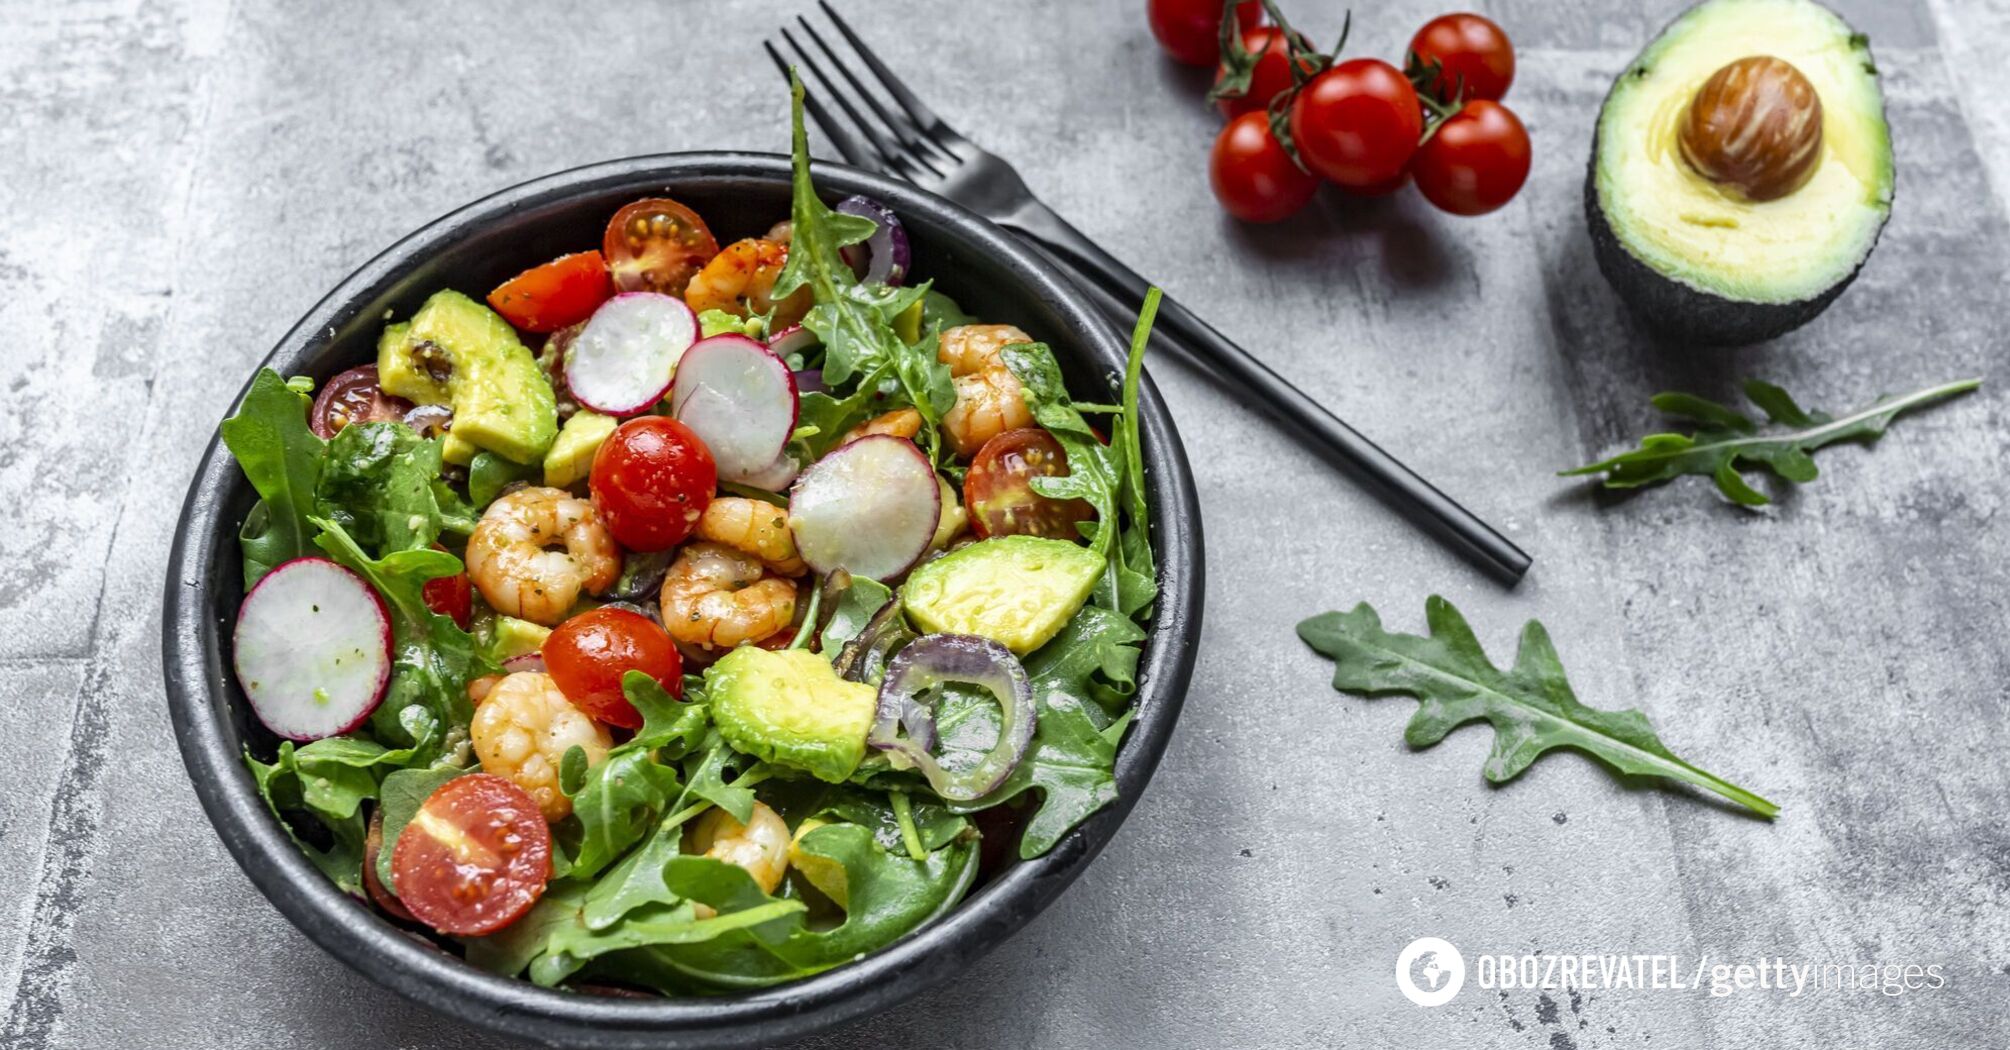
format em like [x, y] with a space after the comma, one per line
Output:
[474, 249]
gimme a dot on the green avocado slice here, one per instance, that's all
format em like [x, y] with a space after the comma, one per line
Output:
[1016, 590]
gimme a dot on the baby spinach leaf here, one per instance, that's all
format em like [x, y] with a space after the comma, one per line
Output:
[935, 824]
[1070, 763]
[1725, 439]
[854, 321]
[1531, 706]
[861, 599]
[282, 459]
[377, 481]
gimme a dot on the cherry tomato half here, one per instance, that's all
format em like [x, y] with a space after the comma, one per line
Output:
[1476, 59]
[1253, 178]
[563, 291]
[999, 488]
[451, 596]
[1271, 76]
[655, 245]
[1357, 124]
[587, 655]
[353, 397]
[1476, 161]
[1190, 30]
[651, 479]
[474, 858]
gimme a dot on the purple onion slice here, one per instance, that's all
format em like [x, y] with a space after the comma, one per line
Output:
[933, 660]
[884, 257]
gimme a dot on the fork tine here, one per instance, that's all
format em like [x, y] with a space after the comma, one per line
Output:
[854, 154]
[915, 139]
[891, 153]
[931, 125]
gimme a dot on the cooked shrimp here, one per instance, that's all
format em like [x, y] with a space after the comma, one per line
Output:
[511, 561]
[761, 845]
[715, 597]
[738, 281]
[974, 347]
[522, 731]
[900, 423]
[988, 403]
[479, 688]
[754, 527]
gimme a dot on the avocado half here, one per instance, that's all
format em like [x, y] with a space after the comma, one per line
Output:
[1703, 265]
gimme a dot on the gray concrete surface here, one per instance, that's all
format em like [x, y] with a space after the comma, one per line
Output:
[180, 180]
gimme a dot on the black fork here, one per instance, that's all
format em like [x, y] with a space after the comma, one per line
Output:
[886, 128]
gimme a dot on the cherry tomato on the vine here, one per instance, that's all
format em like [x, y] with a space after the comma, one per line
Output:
[1253, 178]
[999, 488]
[1476, 59]
[587, 655]
[561, 292]
[656, 245]
[651, 479]
[1357, 123]
[475, 857]
[1190, 30]
[1476, 161]
[1271, 77]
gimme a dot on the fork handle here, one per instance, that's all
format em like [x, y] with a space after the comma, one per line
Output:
[1122, 292]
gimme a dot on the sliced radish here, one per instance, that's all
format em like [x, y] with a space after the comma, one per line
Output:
[313, 649]
[869, 508]
[794, 339]
[740, 399]
[775, 476]
[525, 662]
[620, 364]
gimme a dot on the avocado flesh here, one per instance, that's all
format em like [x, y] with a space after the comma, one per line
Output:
[457, 352]
[1018, 591]
[791, 709]
[571, 455]
[1697, 261]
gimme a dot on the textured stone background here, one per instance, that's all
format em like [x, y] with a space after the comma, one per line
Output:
[180, 180]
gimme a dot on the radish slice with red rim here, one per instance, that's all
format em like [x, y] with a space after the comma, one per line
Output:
[870, 508]
[776, 476]
[525, 662]
[795, 339]
[740, 399]
[620, 364]
[904, 722]
[312, 649]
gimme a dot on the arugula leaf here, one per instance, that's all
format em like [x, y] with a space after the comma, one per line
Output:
[618, 799]
[853, 320]
[1531, 706]
[282, 459]
[334, 802]
[399, 798]
[377, 481]
[1725, 438]
[855, 608]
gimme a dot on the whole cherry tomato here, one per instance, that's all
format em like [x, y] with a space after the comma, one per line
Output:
[1253, 178]
[1190, 30]
[1476, 161]
[656, 245]
[651, 479]
[1357, 123]
[1474, 57]
[999, 488]
[475, 857]
[1271, 76]
[587, 655]
[562, 292]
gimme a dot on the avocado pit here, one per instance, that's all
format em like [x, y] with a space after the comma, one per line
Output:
[1754, 129]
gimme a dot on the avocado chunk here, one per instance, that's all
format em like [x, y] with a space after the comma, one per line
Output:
[511, 638]
[457, 352]
[571, 455]
[791, 709]
[1016, 590]
[1695, 255]
[827, 875]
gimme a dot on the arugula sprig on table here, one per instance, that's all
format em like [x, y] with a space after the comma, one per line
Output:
[1726, 440]
[1530, 705]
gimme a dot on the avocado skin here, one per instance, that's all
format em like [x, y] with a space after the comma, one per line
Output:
[1675, 312]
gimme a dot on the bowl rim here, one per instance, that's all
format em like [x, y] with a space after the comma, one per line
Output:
[199, 689]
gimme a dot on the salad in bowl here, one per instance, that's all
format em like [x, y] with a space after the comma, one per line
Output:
[685, 618]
